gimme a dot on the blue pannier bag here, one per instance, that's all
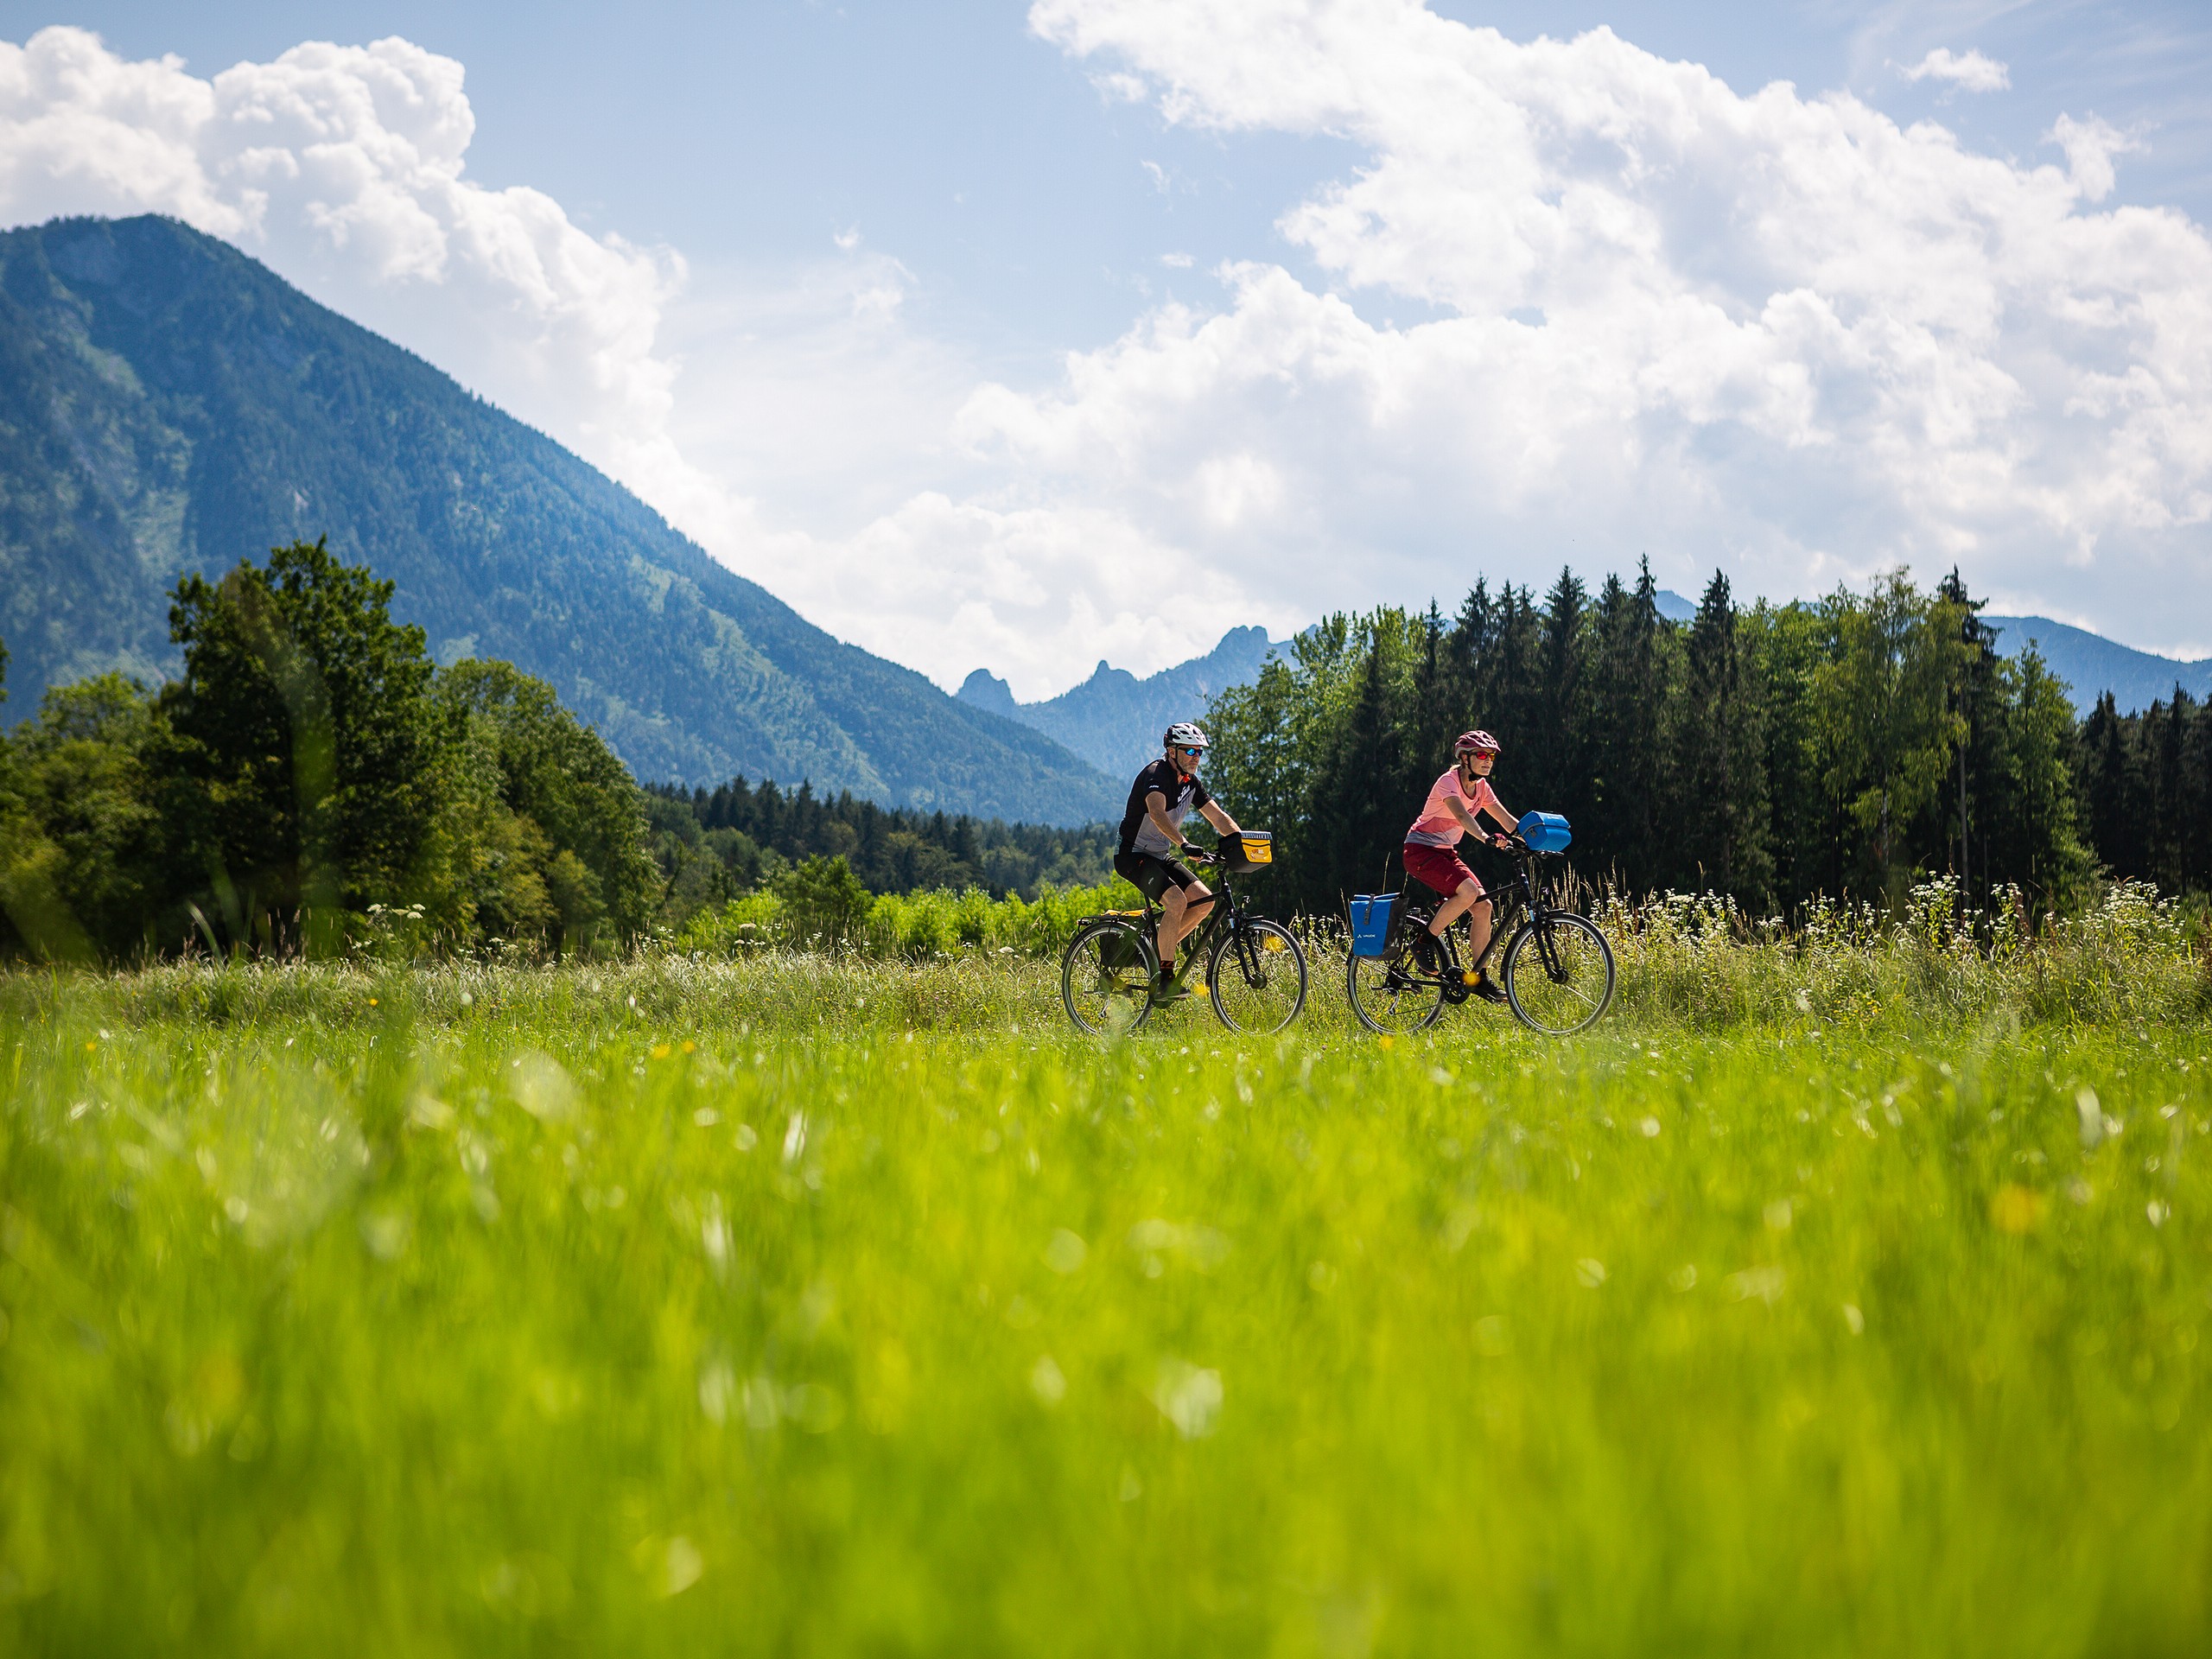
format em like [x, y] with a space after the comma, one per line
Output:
[1370, 923]
[1545, 832]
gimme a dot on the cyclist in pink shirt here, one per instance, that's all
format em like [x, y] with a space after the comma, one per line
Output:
[1454, 808]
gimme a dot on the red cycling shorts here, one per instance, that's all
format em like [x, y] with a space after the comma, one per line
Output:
[1439, 867]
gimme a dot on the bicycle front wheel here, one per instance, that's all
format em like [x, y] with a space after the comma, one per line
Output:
[1558, 973]
[1257, 977]
[1106, 978]
[1390, 995]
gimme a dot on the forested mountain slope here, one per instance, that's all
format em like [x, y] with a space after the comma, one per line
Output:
[168, 404]
[2092, 664]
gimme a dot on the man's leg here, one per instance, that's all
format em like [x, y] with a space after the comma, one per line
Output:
[1170, 931]
[1185, 908]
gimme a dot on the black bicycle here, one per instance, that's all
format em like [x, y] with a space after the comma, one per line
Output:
[1256, 972]
[1557, 969]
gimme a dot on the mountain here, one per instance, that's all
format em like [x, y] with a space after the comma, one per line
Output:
[1115, 720]
[168, 404]
[2092, 664]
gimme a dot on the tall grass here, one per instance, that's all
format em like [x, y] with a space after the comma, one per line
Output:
[2132, 959]
[821, 1304]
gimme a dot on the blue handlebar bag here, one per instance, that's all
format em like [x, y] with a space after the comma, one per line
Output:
[1545, 832]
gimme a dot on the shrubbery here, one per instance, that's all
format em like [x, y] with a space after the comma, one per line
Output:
[819, 905]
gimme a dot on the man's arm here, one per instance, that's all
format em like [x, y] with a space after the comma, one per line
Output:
[1155, 808]
[1217, 816]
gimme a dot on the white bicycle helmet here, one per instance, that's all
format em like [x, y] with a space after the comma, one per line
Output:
[1184, 735]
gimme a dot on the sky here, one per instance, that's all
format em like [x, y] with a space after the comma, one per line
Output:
[1027, 336]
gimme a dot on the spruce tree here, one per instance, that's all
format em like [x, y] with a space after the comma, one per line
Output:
[1722, 757]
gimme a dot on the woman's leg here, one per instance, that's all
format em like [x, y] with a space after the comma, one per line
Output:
[1470, 893]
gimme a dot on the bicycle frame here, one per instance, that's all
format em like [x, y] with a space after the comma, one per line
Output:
[1514, 905]
[1198, 944]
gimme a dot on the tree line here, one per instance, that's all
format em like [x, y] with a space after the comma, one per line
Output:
[313, 783]
[2146, 787]
[715, 845]
[1771, 753]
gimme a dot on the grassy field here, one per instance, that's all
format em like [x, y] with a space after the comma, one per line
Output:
[798, 1307]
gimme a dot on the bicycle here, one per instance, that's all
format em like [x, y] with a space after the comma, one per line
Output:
[1255, 970]
[1557, 969]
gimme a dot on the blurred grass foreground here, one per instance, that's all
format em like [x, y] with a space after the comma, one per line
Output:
[1843, 1294]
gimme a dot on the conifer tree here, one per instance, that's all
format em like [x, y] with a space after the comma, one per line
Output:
[1721, 757]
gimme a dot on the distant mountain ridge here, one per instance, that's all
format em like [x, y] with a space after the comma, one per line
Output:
[168, 404]
[1115, 720]
[2092, 664]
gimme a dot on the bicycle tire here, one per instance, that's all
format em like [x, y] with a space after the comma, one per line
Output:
[1255, 1011]
[1575, 999]
[1102, 998]
[1391, 1002]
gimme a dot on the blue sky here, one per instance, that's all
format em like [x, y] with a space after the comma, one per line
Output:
[928, 290]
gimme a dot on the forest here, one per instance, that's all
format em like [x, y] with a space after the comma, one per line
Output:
[1771, 753]
[719, 844]
[313, 783]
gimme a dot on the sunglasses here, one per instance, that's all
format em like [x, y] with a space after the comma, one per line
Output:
[1194, 753]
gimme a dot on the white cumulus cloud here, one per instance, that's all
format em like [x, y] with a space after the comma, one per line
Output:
[1971, 72]
[1773, 332]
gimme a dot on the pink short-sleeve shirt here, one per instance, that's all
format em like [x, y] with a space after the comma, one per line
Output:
[1436, 827]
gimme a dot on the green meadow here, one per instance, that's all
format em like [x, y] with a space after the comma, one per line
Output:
[1845, 1300]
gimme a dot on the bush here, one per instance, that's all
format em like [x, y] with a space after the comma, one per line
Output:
[820, 906]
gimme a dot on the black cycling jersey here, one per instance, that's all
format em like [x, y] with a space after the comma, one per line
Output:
[1184, 796]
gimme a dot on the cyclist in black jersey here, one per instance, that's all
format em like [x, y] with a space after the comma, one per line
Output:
[1165, 794]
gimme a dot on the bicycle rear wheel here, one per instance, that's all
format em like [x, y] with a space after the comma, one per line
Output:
[1392, 993]
[1567, 993]
[1257, 977]
[1106, 978]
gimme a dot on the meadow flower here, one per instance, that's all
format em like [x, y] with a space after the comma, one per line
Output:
[1046, 1381]
[1188, 1397]
[2015, 1209]
[1765, 1284]
[1066, 1252]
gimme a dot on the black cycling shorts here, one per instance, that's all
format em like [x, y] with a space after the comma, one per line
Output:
[1151, 874]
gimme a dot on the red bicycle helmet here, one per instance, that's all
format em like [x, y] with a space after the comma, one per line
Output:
[1476, 743]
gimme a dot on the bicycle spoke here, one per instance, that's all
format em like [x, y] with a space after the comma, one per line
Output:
[1559, 974]
[1106, 979]
[1386, 999]
[1252, 997]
